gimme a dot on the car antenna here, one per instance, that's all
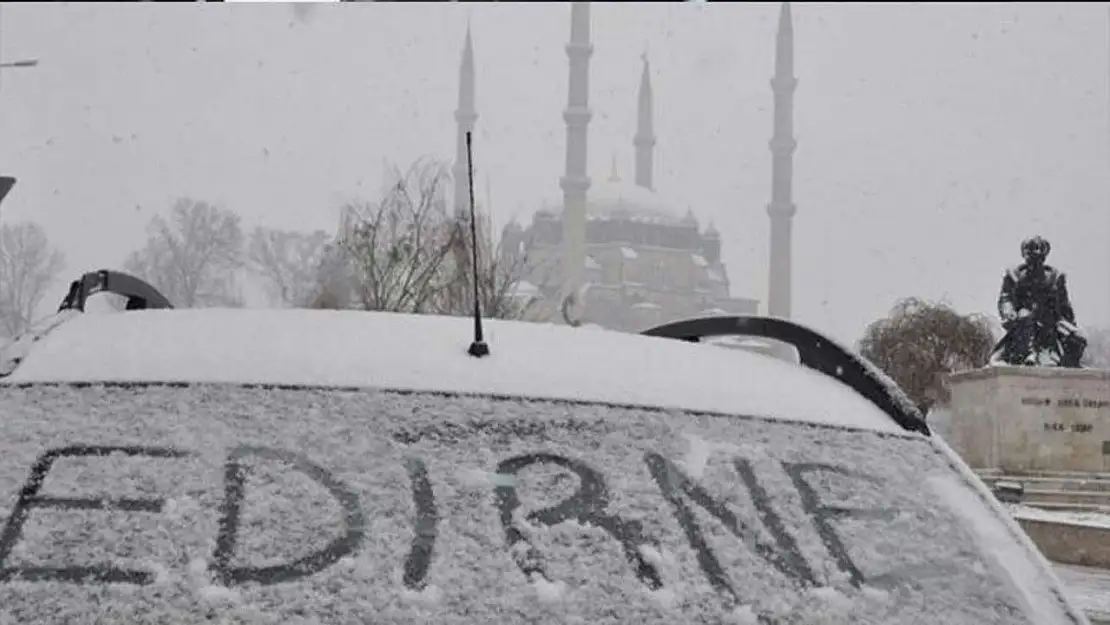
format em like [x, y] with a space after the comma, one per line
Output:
[478, 348]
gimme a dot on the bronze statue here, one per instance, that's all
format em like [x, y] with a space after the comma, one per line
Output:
[1037, 315]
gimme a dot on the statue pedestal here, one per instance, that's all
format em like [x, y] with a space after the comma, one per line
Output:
[1017, 419]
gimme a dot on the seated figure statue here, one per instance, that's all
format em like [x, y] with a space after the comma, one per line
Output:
[1037, 315]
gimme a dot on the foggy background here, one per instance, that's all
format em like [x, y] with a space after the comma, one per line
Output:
[932, 138]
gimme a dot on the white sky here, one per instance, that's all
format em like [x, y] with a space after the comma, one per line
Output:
[932, 137]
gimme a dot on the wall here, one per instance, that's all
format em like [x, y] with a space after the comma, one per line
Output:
[1067, 543]
[1031, 418]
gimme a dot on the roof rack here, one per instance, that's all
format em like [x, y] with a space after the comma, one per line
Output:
[815, 351]
[6, 184]
[139, 294]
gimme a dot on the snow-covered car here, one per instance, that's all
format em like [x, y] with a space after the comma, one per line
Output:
[309, 466]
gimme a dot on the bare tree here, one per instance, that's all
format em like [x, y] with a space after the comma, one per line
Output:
[193, 255]
[1097, 355]
[921, 341]
[406, 253]
[28, 266]
[397, 246]
[334, 279]
[500, 275]
[288, 262]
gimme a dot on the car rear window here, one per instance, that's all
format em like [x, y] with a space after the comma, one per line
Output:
[188, 504]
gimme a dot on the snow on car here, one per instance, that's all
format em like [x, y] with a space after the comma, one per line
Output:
[294, 466]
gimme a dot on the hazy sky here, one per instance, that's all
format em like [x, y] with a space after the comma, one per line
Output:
[932, 137]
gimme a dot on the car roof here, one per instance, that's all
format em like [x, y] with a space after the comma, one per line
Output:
[299, 347]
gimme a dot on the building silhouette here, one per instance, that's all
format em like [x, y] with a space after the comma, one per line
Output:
[614, 251]
[628, 256]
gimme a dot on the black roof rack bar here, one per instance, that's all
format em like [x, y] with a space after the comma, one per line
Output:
[139, 294]
[6, 184]
[814, 351]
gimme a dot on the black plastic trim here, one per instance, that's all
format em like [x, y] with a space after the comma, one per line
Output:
[6, 184]
[815, 351]
[139, 294]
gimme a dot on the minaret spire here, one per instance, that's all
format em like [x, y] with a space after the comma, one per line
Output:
[465, 116]
[645, 129]
[781, 209]
[575, 182]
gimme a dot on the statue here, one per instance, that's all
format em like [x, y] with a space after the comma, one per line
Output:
[1037, 315]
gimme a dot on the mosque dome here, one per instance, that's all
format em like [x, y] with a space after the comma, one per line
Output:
[614, 198]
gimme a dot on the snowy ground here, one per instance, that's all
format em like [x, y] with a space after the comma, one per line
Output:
[1089, 588]
[1092, 519]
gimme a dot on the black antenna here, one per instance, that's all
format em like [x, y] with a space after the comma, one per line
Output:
[478, 348]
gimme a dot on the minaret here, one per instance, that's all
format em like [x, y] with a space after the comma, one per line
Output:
[575, 182]
[782, 209]
[465, 116]
[645, 130]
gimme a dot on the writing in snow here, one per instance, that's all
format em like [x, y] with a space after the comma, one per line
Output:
[588, 505]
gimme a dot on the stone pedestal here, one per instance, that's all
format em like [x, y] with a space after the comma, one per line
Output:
[1018, 419]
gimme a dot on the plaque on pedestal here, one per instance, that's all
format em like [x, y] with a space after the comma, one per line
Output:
[1020, 418]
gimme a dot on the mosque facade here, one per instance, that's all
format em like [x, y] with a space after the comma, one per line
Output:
[625, 255]
[617, 253]
[644, 263]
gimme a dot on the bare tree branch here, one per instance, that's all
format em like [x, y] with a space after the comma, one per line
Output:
[500, 276]
[920, 341]
[397, 245]
[406, 253]
[288, 263]
[28, 266]
[1097, 355]
[193, 255]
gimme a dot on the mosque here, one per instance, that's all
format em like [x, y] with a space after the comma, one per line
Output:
[638, 258]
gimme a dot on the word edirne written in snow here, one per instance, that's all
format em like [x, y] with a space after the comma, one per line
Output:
[588, 505]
